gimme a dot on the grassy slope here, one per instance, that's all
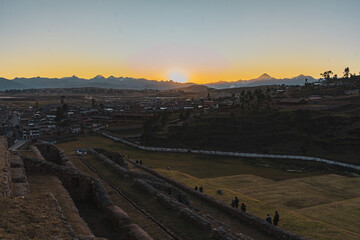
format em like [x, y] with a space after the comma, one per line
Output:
[293, 193]
[344, 214]
[191, 168]
[45, 183]
[34, 216]
[201, 166]
[291, 220]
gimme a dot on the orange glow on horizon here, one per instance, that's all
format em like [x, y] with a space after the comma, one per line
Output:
[89, 67]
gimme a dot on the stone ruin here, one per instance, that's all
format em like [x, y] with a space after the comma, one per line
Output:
[82, 187]
[170, 193]
[152, 181]
[222, 232]
[171, 196]
[52, 153]
[12, 172]
[113, 156]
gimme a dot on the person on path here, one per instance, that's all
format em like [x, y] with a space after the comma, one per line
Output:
[196, 188]
[233, 203]
[243, 207]
[201, 189]
[268, 218]
[276, 218]
[236, 202]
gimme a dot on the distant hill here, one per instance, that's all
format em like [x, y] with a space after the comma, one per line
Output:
[195, 88]
[264, 79]
[141, 83]
[7, 84]
[98, 81]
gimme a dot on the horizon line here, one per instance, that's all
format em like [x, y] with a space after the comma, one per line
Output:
[169, 80]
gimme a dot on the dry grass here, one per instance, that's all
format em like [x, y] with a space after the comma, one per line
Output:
[293, 193]
[44, 184]
[344, 214]
[201, 166]
[32, 217]
[291, 220]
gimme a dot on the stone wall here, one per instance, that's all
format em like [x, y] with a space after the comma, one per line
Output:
[114, 156]
[78, 185]
[247, 218]
[53, 154]
[82, 187]
[37, 153]
[19, 183]
[172, 198]
[205, 222]
[134, 232]
[232, 154]
[155, 182]
[5, 177]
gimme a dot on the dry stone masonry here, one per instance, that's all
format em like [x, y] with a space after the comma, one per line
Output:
[245, 217]
[173, 198]
[82, 187]
[12, 173]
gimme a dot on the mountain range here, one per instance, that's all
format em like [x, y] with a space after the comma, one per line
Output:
[264, 79]
[139, 83]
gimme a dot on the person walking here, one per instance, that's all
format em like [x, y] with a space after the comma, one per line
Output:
[243, 207]
[196, 188]
[236, 202]
[268, 218]
[201, 189]
[276, 218]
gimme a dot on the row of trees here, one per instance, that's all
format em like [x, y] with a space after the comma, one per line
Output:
[327, 75]
[255, 100]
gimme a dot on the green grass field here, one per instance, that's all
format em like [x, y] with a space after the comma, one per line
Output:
[315, 204]
[201, 166]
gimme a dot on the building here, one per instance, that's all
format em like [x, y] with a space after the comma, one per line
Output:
[75, 129]
[30, 131]
[132, 117]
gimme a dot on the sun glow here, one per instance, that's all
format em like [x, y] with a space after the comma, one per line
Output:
[178, 76]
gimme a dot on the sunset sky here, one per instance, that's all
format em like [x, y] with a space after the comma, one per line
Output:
[184, 40]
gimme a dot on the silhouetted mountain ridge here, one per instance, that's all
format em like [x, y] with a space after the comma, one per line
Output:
[264, 79]
[98, 81]
[139, 83]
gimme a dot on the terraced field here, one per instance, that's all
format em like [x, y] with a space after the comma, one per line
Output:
[312, 203]
[336, 220]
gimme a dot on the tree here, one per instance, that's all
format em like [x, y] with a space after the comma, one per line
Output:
[62, 98]
[326, 75]
[260, 98]
[36, 107]
[346, 72]
[181, 117]
[59, 114]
